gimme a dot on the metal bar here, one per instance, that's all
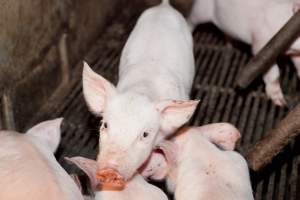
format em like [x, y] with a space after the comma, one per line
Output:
[64, 57]
[8, 115]
[263, 61]
[263, 152]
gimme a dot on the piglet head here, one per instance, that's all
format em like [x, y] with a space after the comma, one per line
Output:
[132, 125]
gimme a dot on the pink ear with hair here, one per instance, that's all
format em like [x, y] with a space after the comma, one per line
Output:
[48, 132]
[77, 181]
[174, 114]
[96, 90]
[89, 167]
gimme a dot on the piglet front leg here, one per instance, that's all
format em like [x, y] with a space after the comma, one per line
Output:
[273, 89]
[224, 135]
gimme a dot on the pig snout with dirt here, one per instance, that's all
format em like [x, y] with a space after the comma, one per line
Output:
[28, 168]
[197, 169]
[151, 98]
[254, 22]
[136, 188]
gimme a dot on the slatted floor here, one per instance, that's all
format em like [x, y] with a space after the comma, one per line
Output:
[217, 65]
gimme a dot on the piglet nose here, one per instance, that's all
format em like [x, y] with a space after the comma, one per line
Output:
[110, 178]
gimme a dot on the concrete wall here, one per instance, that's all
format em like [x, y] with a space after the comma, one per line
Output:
[40, 43]
[33, 38]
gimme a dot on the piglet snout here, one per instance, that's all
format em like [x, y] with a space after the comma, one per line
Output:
[110, 178]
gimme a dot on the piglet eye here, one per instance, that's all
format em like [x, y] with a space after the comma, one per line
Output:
[145, 134]
[105, 125]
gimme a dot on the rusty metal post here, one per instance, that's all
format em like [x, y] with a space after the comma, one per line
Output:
[263, 61]
[267, 148]
[7, 113]
[64, 58]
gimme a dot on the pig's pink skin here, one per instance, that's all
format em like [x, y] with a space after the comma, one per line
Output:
[28, 168]
[136, 189]
[222, 134]
[253, 22]
[202, 171]
[155, 77]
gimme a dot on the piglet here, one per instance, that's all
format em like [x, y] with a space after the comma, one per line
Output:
[150, 101]
[28, 168]
[197, 169]
[253, 22]
[136, 188]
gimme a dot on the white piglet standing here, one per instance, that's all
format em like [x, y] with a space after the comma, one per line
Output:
[28, 168]
[196, 169]
[253, 22]
[151, 98]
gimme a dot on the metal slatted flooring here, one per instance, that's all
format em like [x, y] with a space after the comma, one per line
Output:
[217, 65]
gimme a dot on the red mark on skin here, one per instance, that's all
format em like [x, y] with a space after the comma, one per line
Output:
[210, 170]
[110, 178]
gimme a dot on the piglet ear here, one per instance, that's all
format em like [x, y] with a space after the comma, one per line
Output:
[77, 181]
[174, 114]
[89, 167]
[48, 131]
[96, 90]
[156, 167]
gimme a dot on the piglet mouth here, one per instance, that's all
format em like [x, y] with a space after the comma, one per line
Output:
[110, 178]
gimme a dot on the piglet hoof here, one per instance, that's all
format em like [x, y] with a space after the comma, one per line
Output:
[276, 95]
[110, 178]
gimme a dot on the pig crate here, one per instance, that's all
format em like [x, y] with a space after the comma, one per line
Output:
[217, 65]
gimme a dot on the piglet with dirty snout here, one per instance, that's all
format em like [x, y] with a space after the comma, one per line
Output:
[151, 100]
[254, 22]
[28, 168]
[199, 164]
[136, 188]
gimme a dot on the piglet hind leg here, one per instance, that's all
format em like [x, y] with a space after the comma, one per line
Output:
[273, 88]
[271, 77]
